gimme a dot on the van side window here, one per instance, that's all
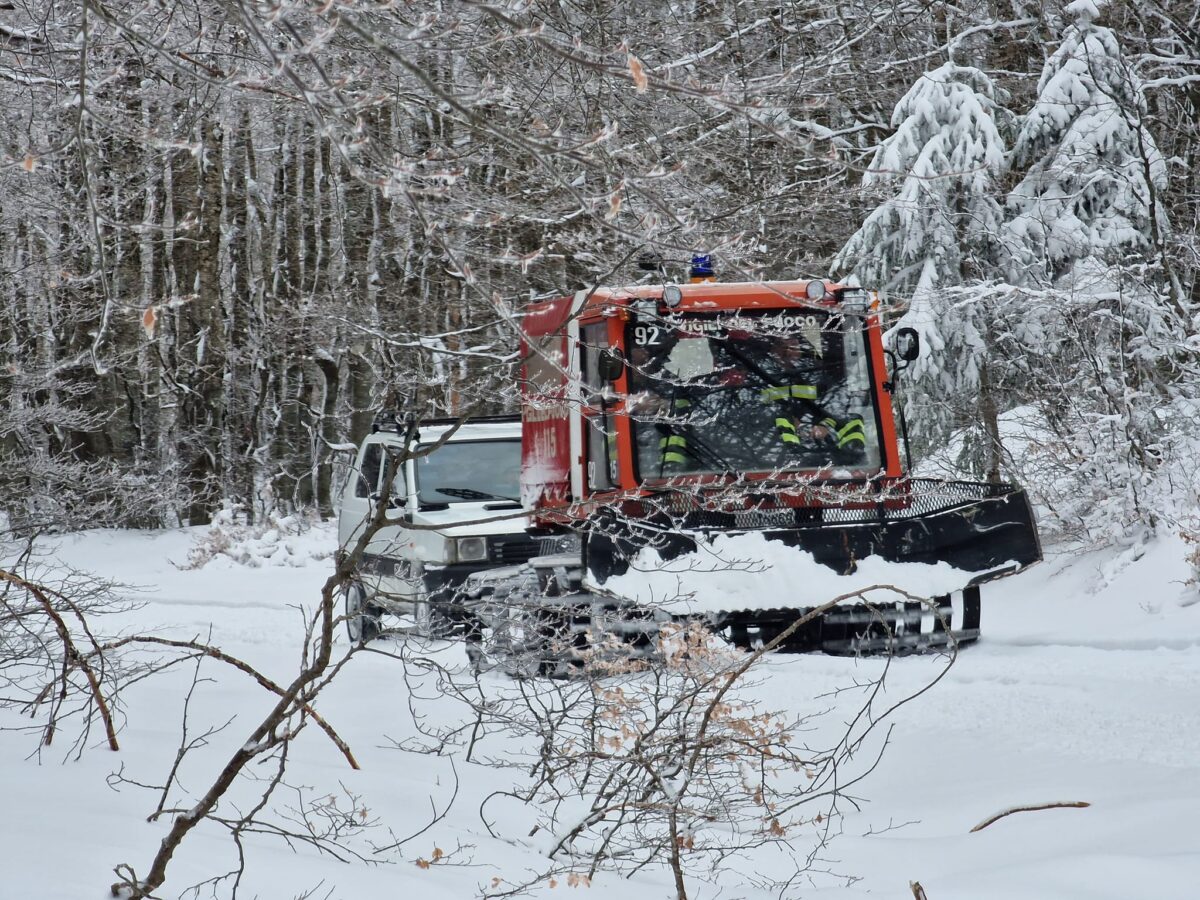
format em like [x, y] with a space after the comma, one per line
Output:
[368, 475]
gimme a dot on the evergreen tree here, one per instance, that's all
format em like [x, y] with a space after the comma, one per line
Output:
[1093, 171]
[938, 230]
[1098, 331]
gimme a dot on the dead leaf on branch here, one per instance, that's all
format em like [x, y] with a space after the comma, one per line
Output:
[638, 73]
[614, 204]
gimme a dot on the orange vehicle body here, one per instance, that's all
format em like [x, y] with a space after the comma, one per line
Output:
[565, 405]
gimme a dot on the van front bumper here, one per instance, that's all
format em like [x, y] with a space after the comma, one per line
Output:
[443, 583]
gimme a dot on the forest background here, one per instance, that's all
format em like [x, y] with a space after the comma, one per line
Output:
[230, 232]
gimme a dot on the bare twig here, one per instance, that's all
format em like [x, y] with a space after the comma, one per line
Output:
[206, 650]
[71, 653]
[1068, 804]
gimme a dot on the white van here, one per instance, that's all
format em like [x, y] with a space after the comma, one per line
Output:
[456, 511]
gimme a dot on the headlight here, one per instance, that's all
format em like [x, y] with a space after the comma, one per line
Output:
[855, 302]
[472, 549]
[815, 290]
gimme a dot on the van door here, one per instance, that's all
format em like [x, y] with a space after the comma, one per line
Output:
[361, 485]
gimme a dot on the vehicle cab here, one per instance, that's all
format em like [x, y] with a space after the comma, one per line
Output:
[699, 394]
[453, 510]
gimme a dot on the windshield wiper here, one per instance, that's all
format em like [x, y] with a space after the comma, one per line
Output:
[472, 494]
[722, 465]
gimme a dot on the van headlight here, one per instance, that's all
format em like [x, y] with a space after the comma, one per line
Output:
[469, 549]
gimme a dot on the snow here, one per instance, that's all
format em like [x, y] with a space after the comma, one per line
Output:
[1083, 689]
[1085, 10]
[746, 571]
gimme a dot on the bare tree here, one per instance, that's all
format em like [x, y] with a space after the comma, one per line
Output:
[672, 760]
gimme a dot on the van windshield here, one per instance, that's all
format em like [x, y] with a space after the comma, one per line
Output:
[470, 472]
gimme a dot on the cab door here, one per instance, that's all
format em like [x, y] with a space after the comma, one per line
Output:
[361, 485]
[386, 549]
[601, 448]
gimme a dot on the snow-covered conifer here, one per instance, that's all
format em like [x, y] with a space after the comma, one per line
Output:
[1099, 328]
[1092, 168]
[941, 224]
[938, 230]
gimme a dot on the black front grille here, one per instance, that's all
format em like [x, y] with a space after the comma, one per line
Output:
[511, 549]
[921, 497]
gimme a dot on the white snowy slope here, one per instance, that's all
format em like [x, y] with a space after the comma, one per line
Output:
[1086, 687]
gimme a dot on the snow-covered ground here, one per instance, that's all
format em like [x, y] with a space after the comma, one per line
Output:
[1086, 687]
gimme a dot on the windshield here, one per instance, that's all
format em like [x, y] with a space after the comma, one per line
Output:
[750, 392]
[470, 472]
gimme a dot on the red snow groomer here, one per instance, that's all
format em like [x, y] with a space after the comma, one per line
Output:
[657, 420]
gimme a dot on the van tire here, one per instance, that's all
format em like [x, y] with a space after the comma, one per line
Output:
[362, 618]
[432, 621]
[527, 641]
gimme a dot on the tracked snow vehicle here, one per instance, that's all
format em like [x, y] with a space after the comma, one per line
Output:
[659, 422]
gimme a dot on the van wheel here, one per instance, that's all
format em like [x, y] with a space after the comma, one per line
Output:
[527, 642]
[432, 621]
[362, 619]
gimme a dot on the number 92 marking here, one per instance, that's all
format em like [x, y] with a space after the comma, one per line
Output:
[647, 335]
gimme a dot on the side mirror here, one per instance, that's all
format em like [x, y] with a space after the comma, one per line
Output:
[907, 343]
[395, 501]
[609, 366]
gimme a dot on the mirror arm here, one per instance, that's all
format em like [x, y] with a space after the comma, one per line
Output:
[890, 387]
[395, 501]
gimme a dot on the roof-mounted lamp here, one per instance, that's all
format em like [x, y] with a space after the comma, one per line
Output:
[701, 269]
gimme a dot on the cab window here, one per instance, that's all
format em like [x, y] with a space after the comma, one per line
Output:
[602, 453]
[601, 433]
[593, 340]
